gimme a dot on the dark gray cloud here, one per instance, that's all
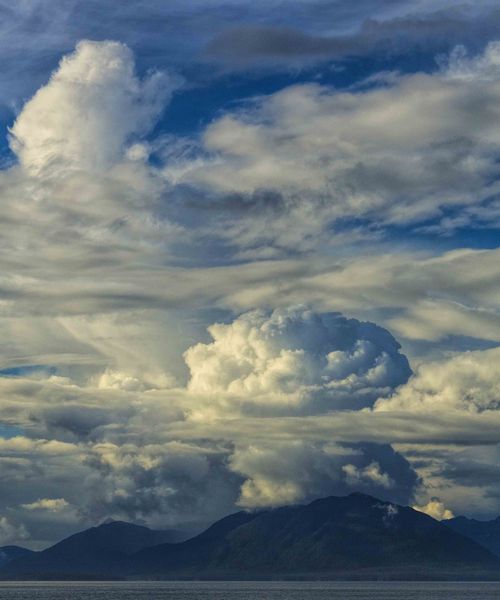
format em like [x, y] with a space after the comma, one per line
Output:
[173, 483]
[427, 32]
[398, 469]
[278, 472]
[253, 43]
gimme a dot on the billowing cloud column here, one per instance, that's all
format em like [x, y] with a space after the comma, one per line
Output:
[91, 106]
[291, 361]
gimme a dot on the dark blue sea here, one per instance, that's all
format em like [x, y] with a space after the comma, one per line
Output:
[248, 591]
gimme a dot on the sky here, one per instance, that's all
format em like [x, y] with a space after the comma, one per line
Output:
[249, 257]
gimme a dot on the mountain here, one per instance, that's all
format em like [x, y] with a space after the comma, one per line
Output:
[96, 552]
[337, 537]
[8, 553]
[330, 537]
[486, 533]
[356, 536]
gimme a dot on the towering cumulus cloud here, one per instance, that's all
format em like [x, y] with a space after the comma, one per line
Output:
[92, 105]
[292, 362]
[297, 360]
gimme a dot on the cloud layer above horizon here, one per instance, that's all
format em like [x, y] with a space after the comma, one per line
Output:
[298, 296]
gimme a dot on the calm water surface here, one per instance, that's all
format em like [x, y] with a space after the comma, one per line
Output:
[248, 591]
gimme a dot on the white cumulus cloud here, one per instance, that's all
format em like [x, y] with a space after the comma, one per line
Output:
[49, 504]
[468, 381]
[297, 360]
[90, 108]
[436, 509]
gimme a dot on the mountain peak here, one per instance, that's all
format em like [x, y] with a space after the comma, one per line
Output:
[329, 538]
[111, 523]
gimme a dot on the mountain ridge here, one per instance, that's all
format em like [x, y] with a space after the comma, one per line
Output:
[346, 537]
[99, 550]
[8, 553]
[328, 536]
[485, 533]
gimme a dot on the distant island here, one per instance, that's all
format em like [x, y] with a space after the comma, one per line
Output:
[356, 537]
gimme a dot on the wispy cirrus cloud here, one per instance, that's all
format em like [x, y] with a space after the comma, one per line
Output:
[405, 151]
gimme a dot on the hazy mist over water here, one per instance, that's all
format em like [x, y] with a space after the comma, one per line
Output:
[230, 590]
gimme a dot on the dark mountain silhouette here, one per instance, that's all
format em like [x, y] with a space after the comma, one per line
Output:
[486, 533]
[330, 537]
[8, 553]
[96, 552]
[333, 538]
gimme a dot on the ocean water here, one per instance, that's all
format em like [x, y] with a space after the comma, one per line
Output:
[248, 591]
